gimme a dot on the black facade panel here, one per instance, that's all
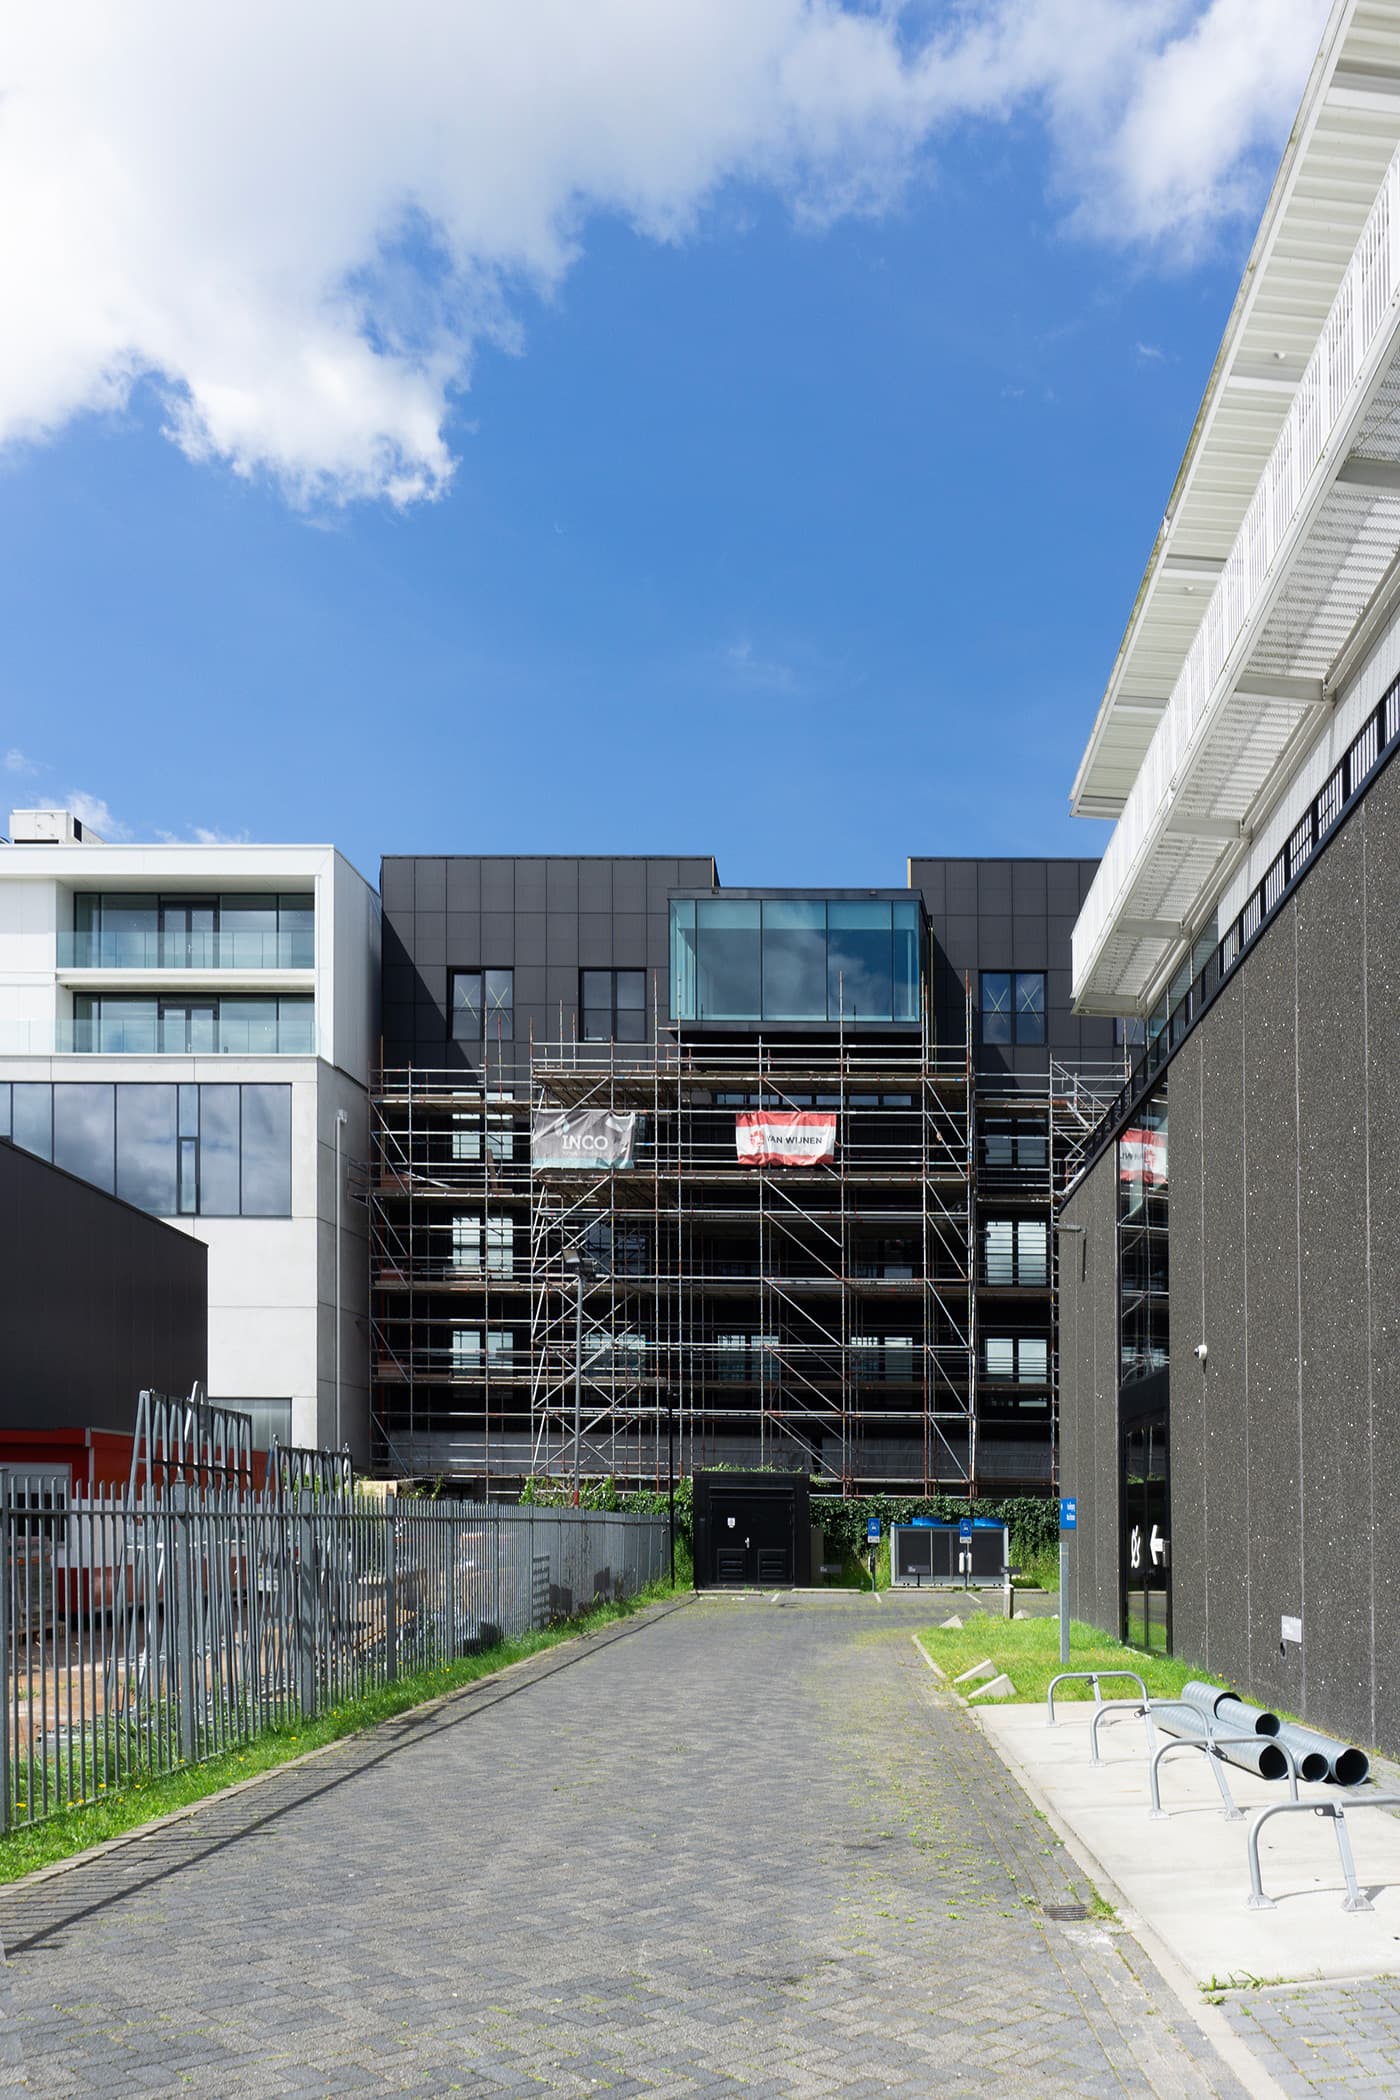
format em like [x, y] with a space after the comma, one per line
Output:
[97, 1300]
[612, 914]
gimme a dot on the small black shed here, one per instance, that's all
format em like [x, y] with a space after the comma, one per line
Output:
[753, 1528]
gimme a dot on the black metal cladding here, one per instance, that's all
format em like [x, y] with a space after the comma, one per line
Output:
[554, 923]
[97, 1300]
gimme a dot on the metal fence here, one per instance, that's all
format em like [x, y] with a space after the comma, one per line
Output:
[153, 1629]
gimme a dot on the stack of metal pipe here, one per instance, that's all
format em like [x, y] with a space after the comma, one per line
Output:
[1207, 1710]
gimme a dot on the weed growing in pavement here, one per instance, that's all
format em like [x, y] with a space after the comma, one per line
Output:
[112, 1814]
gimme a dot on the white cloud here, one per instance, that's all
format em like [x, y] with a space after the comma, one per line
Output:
[17, 762]
[92, 810]
[1151, 354]
[301, 230]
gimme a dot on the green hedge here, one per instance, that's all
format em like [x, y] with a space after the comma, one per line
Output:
[1033, 1520]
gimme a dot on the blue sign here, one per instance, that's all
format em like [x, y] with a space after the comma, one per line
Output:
[1069, 1513]
[872, 1531]
[924, 1523]
[965, 1528]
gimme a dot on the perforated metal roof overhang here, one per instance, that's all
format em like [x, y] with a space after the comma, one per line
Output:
[1344, 137]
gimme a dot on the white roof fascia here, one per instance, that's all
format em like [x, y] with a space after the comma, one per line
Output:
[1312, 220]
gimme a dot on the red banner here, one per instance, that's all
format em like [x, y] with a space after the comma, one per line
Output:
[784, 1137]
[1142, 1156]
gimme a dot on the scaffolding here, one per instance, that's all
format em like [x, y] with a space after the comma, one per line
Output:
[825, 1316]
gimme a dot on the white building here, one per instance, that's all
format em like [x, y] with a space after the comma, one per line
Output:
[1267, 624]
[193, 1027]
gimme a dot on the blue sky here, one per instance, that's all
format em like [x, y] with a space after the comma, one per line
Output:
[807, 543]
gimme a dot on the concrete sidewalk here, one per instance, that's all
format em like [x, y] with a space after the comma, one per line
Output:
[1187, 1877]
[741, 1848]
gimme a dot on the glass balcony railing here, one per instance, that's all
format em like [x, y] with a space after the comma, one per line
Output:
[229, 950]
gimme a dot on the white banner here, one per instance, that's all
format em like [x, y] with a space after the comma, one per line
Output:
[581, 1138]
[784, 1137]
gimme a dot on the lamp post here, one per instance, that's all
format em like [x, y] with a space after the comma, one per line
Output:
[584, 1270]
[671, 1475]
[341, 1119]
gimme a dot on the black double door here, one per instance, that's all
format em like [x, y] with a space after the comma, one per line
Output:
[751, 1537]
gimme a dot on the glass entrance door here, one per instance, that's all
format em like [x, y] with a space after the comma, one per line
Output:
[187, 1027]
[186, 933]
[1146, 1548]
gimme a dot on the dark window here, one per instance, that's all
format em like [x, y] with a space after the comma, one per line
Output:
[1014, 1147]
[483, 1006]
[1016, 1251]
[148, 1147]
[1013, 1006]
[124, 930]
[266, 1152]
[210, 1151]
[1144, 1268]
[218, 1151]
[794, 959]
[614, 1005]
[83, 1139]
[1017, 1359]
[192, 1027]
[33, 1117]
[1129, 1033]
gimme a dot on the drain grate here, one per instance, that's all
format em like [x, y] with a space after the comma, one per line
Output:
[1066, 1913]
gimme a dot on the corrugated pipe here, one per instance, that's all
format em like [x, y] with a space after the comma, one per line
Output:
[1323, 1757]
[1194, 1723]
[1228, 1707]
[1318, 1756]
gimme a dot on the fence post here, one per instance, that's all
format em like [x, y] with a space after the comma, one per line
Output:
[183, 1606]
[7, 1578]
[306, 1612]
[391, 1590]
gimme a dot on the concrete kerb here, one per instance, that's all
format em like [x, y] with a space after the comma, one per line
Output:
[1207, 2017]
[563, 1652]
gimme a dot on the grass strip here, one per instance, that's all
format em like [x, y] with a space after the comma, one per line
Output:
[111, 1813]
[1028, 1650]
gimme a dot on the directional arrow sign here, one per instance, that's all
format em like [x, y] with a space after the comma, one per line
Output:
[1158, 1546]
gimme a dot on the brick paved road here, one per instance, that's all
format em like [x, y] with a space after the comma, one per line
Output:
[743, 1847]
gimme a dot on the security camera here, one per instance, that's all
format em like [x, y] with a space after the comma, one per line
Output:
[1201, 1351]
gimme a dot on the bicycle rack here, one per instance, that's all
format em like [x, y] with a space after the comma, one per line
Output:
[1337, 1814]
[1146, 1709]
[1213, 1746]
[1094, 1677]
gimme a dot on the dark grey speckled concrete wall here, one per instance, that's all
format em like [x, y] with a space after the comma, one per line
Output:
[1089, 1381]
[1285, 1261]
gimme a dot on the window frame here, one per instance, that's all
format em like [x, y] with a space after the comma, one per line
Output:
[485, 1011]
[1035, 1033]
[586, 1006]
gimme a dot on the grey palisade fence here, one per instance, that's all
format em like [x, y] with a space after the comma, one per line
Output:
[170, 1621]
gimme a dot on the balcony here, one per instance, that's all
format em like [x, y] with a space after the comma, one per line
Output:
[207, 951]
[1257, 683]
[207, 1029]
